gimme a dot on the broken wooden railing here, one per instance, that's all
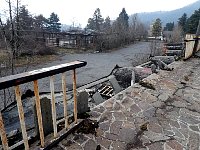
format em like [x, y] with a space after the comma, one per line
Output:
[33, 76]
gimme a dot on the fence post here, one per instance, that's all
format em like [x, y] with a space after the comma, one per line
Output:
[75, 98]
[53, 105]
[3, 134]
[21, 116]
[64, 99]
[39, 114]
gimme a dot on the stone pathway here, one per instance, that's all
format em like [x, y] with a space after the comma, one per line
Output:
[171, 114]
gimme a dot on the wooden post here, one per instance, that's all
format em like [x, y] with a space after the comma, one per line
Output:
[3, 134]
[65, 99]
[75, 98]
[53, 105]
[21, 116]
[38, 110]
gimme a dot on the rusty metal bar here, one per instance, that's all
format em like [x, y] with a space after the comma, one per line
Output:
[39, 114]
[65, 99]
[3, 134]
[21, 116]
[53, 106]
[74, 93]
[30, 76]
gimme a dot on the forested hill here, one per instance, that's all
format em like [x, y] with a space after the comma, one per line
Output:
[169, 16]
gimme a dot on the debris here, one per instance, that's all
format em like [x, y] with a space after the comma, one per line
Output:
[144, 126]
[186, 78]
[98, 147]
[147, 85]
[115, 84]
[161, 65]
[98, 98]
[153, 68]
[28, 93]
[166, 59]
[88, 126]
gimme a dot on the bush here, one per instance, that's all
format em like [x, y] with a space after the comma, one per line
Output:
[44, 50]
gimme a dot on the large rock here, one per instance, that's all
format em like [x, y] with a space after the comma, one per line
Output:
[124, 76]
[166, 59]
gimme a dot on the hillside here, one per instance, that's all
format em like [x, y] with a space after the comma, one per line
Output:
[169, 16]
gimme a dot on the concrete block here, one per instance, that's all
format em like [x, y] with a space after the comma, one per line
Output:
[82, 102]
[115, 85]
[98, 98]
[46, 116]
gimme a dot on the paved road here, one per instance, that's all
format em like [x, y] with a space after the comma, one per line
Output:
[98, 64]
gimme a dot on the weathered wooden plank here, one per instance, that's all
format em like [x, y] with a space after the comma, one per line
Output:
[75, 96]
[21, 116]
[21, 78]
[64, 99]
[39, 114]
[53, 106]
[3, 134]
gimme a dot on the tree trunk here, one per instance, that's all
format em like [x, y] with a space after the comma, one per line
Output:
[12, 41]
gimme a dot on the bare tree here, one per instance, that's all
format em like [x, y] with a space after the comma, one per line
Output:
[176, 35]
[12, 40]
[3, 33]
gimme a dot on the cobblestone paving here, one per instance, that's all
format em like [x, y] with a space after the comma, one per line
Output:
[171, 114]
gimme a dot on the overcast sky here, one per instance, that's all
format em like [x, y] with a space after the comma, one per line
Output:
[78, 11]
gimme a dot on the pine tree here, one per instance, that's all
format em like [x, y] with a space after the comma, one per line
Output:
[193, 21]
[40, 22]
[25, 19]
[169, 26]
[123, 19]
[53, 23]
[183, 22]
[157, 28]
[107, 24]
[96, 22]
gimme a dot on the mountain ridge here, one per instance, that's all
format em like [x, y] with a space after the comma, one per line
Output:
[168, 16]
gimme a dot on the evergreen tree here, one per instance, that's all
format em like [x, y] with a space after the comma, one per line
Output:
[25, 19]
[53, 23]
[157, 28]
[183, 22]
[40, 22]
[169, 26]
[193, 21]
[107, 24]
[96, 22]
[123, 19]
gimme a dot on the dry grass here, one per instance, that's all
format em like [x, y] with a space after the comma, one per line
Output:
[26, 60]
[22, 61]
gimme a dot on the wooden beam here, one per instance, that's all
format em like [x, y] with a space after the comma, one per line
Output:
[3, 134]
[21, 116]
[53, 106]
[39, 114]
[74, 94]
[64, 99]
